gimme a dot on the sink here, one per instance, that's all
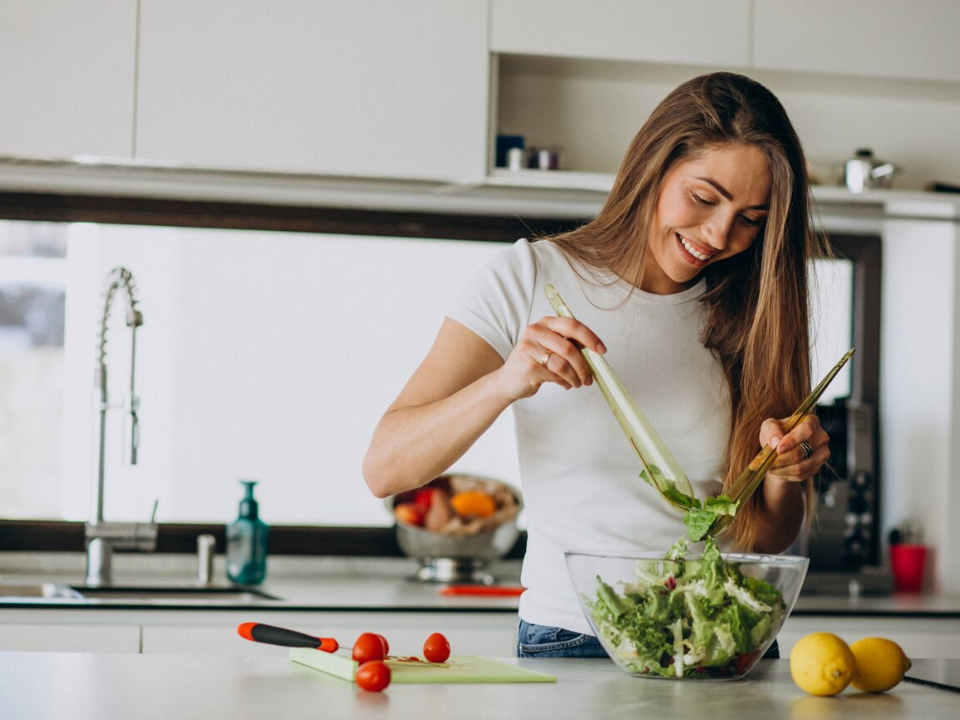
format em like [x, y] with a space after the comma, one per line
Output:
[133, 593]
[178, 592]
[40, 590]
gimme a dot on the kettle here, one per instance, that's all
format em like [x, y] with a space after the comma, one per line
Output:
[863, 172]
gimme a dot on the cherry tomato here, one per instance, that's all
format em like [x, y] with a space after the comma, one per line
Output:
[437, 648]
[386, 645]
[373, 676]
[369, 646]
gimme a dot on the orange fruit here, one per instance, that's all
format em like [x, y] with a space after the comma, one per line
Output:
[473, 504]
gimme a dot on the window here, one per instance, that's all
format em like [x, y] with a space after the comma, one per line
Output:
[262, 355]
[831, 332]
[32, 291]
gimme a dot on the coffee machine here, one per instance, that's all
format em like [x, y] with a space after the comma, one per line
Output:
[843, 540]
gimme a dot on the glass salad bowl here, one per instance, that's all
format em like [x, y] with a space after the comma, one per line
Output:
[664, 616]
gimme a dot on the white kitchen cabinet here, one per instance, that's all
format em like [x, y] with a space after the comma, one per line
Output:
[686, 32]
[57, 637]
[67, 77]
[371, 88]
[877, 38]
[469, 633]
[205, 632]
[920, 637]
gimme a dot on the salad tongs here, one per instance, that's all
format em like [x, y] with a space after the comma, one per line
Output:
[749, 480]
[660, 466]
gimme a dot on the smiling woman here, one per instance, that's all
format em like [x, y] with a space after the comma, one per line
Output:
[710, 208]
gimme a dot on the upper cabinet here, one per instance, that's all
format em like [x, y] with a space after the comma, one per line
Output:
[582, 78]
[374, 88]
[878, 38]
[687, 32]
[67, 77]
[418, 89]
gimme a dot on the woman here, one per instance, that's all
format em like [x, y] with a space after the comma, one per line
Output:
[694, 275]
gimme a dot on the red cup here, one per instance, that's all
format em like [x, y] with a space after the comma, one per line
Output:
[909, 565]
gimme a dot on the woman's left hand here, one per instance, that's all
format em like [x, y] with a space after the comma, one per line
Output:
[801, 452]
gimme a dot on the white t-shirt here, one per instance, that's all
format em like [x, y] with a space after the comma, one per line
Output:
[579, 474]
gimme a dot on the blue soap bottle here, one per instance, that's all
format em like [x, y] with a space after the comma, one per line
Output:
[247, 542]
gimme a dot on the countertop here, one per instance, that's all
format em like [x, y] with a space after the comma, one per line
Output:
[109, 687]
[334, 583]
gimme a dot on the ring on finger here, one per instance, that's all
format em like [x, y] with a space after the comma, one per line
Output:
[807, 449]
[545, 358]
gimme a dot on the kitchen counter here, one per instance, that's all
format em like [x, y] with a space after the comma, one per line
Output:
[109, 687]
[341, 597]
[331, 584]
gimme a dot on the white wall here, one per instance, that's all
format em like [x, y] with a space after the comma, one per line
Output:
[268, 356]
[919, 388]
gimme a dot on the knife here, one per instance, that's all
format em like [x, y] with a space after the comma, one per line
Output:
[271, 635]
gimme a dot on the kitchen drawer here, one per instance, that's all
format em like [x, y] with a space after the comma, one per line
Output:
[920, 637]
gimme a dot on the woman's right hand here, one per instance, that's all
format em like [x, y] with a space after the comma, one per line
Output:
[460, 389]
[549, 351]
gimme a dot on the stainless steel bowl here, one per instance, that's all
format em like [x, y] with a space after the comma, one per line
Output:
[447, 557]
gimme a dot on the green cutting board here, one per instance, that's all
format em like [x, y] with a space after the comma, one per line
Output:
[458, 669]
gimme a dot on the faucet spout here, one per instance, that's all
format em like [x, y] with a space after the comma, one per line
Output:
[103, 537]
[120, 279]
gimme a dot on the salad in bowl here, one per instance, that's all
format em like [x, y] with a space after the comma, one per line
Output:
[673, 616]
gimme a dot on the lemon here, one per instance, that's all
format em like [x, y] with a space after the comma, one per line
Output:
[822, 664]
[881, 664]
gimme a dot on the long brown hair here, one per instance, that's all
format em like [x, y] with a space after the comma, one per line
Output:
[757, 300]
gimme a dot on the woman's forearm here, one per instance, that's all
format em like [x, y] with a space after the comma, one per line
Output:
[781, 515]
[414, 444]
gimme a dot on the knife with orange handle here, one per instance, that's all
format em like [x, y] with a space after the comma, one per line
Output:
[271, 635]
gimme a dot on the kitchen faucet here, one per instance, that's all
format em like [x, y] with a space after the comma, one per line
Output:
[103, 537]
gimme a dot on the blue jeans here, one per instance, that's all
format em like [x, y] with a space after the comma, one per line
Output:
[543, 641]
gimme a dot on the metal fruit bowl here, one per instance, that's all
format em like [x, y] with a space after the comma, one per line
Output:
[690, 619]
[464, 553]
